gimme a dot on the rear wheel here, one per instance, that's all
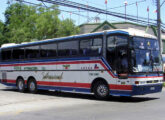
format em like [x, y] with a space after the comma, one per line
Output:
[32, 86]
[20, 85]
[101, 90]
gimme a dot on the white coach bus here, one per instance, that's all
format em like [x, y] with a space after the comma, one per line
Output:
[117, 62]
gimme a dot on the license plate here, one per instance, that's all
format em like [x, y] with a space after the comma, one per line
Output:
[152, 88]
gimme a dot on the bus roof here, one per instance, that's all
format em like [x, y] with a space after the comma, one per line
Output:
[130, 31]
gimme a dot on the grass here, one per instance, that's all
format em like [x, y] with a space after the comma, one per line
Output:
[164, 84]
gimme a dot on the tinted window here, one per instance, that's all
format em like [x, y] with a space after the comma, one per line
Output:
[6, 54]
[18, 53]
[49, 50]
[111, 41]
[91, 46]
[32, 52]
[114, 41]
[68, 48]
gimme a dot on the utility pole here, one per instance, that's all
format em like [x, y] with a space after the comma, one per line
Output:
[159, 26]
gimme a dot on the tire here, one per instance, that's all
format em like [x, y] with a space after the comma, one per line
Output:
[20, 85]
[101, 90]
[32, 86]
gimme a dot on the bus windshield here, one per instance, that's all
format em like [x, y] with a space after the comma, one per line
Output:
[146, 55]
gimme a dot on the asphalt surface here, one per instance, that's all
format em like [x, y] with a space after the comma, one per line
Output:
[49, 105]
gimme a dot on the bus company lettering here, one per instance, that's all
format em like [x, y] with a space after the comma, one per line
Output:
[52, 77]
[96, 67]
[30, 68]
[17, 67]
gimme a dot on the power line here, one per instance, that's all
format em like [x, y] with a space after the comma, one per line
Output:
[39, 5]
[123, 6]
[127, 4]
[162, 3]
[97, 10]
[67, 3]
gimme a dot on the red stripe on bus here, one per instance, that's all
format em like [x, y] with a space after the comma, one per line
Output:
[64, 84]
[9, 81]
[120, 87]
[83, 85]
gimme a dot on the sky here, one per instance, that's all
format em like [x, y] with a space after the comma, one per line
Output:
[112, 5]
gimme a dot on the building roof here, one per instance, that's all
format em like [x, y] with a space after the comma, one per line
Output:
[119, 25]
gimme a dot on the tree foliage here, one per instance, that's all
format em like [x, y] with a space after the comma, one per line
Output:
[2, 37]
[28, 23]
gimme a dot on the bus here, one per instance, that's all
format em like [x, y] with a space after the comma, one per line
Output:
[122, 62]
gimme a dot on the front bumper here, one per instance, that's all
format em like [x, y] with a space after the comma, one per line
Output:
[137, 90]
[146, 89]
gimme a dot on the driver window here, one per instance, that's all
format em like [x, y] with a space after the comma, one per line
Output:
[117, 55]
[122, 61]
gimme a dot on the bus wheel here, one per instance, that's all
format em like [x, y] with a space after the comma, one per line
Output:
[101, 90]
[32, 86]
[20, 85]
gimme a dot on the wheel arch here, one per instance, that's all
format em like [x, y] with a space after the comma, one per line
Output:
[96, 80]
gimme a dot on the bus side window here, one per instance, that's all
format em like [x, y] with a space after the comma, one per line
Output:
[97, 44]
[18, 53]
[91, 46]
[48, 50]
[32, 52]
[6, 54]
[85, 46]
[69, 48]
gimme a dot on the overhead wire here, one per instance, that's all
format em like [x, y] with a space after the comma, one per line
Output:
[98, 10]
[73, 12]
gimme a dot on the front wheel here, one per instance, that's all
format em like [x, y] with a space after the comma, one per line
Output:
[32, 86]
[101, 90]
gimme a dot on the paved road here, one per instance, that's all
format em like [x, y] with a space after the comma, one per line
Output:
[67, 106]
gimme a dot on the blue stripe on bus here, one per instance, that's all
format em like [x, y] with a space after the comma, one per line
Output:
[51, 60]
[145, 75]
[9, 84]
[58, 88]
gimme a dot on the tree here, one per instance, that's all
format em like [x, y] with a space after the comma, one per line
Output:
[27, 23]
[20, 23]
[47, 23]
[2, 37]
[67, 27]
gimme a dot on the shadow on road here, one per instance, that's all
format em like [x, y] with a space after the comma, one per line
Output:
[88, 96]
